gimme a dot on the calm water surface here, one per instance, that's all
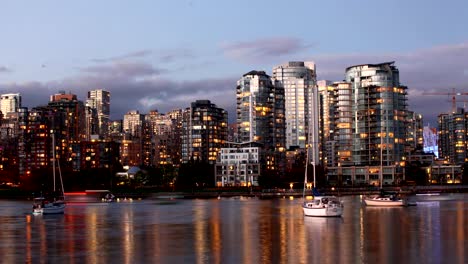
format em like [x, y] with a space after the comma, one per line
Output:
[235, 231]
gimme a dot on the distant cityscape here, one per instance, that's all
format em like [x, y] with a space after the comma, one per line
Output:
[358, 131]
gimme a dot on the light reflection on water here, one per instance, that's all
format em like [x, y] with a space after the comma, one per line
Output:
[234, 231]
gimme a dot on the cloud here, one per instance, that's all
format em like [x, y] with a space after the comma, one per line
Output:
[136, 85]
[175, 54]
[133, 86]
[132, 55]
[4, 69]
[265, 49]
[439, 68]
[127, 69]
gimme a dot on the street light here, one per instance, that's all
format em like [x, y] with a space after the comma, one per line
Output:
[291, 186]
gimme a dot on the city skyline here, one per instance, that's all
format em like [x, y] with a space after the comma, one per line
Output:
[165, 55]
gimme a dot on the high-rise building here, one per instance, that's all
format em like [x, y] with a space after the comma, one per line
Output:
[72, 123]
[370, 126]
[326, 122]
[69, 122]
[161, 138]
[100, 100]
[430, 140]
[453, 137]
[260, 117]
[133, 123]
[379, 112]
[10, 103]
[414, 132]
[343, 126]
[204, 131]
[260, 111]
[298, 79]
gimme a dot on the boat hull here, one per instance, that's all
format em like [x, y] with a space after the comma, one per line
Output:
[323, 212]
[57, 208]
[385, 202]
[323, 206]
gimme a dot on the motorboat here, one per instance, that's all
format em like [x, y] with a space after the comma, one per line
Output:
[384, 200]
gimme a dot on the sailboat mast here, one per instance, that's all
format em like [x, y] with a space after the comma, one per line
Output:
[53, 158]
[381, 160]
[305, 173]
[312, 125]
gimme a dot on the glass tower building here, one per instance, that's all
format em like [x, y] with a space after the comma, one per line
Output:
[260, 111]
[379, 112]
[100, 101]
[299, 81]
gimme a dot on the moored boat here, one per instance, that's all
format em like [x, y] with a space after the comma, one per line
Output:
[326, 206]
[384, 200]
[55, 202]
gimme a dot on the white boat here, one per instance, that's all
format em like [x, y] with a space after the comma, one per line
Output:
[44, 206]
[109, 198]
[320, 206]
[326, 206]
[384, 200]
[54, 203]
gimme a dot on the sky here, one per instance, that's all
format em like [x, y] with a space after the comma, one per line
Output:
[164, 55]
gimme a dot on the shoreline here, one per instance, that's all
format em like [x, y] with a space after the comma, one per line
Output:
[6, 194]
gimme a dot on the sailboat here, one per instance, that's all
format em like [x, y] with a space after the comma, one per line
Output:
[383, 199]
[55, 203]
[323, 206]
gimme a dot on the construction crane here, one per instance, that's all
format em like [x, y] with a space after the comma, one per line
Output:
[453, 94]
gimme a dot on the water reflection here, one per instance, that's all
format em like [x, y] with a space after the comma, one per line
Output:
[234, 231]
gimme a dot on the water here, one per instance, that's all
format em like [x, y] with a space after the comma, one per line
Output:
[235, 231]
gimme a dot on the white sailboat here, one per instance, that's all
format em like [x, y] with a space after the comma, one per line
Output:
[321, 206]
[383, 199]
[56, 203]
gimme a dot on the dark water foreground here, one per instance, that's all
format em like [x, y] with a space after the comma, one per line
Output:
[236, 230]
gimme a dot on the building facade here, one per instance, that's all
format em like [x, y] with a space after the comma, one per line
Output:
[453, 137]
[371, 126]
[100, 101]
[10, 103]
[238, 165]
[260, 117]
[298, 79]
[204, 131]
[133, 123]
[379, 112]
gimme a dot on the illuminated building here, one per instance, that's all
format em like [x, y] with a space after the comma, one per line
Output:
[260, 116]
[326, 122]
[69, 120]
[96, 154]
[204, 131]
[380, 111]
[161, 138]
[238, 165]
[298, 79]
[379, 125]
[343, 126]
[414, 132]
[453, 137]
[99, 100]
[132, 123]
[10, 103]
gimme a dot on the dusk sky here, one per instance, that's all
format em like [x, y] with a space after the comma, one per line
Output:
[165, 54]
